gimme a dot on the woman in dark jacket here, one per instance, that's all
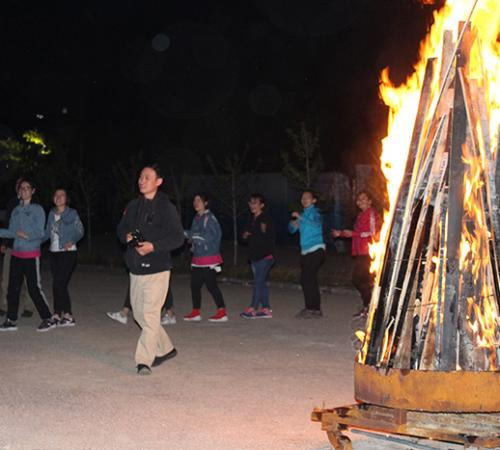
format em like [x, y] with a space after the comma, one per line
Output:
[260, 235]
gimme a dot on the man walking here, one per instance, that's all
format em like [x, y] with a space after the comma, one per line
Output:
[151, 228]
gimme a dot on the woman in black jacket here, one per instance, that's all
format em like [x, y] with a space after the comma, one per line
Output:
[260, 235]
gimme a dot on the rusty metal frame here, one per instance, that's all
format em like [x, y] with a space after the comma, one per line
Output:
[469, 429]
[432, 391]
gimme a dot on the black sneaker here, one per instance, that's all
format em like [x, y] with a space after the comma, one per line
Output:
[67, 321]
[8, 325]
[2, 312]
[27, 313]
[143, 369]
[46, 325]
[161, 359]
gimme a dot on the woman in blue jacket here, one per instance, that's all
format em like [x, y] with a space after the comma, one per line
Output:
[65, 229]
[312, 252]
[205, 236]
[26, 228]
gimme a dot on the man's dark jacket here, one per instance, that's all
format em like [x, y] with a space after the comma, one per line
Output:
[159, 223]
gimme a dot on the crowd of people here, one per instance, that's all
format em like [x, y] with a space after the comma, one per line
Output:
[27, 230]
[150, 229]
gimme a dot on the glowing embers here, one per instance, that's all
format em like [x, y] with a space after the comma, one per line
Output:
[435, 305]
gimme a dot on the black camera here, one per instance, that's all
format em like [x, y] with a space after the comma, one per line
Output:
[137, 238]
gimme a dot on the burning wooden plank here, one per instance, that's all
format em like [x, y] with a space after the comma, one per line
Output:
[441, 252]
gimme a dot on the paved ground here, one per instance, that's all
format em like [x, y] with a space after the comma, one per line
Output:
[238, 385]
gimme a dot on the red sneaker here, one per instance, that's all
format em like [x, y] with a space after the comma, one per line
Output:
[220, 316]
[193, 316]
[264, 313]
[249, 313]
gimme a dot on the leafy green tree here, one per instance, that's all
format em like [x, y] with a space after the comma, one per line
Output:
[26, 155]
[32, 155]
[302, 164]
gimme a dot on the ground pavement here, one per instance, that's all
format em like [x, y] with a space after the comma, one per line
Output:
[235, 385]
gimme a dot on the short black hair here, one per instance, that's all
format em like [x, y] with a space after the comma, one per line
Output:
[156, 167]
[259, 197]
[367, 193]
[25, 180]
[202, 195]
[68, 199]
[310, 191]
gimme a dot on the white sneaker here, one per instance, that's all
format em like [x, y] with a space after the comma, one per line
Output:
[168, 320]
[118, 317]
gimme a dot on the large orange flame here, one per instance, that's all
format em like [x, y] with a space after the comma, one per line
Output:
[484, 67]
[403, 100]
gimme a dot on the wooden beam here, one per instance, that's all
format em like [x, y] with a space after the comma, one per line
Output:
[383, 302]
[448, 353]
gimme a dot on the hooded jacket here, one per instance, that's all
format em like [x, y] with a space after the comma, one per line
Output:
[205, 234]
[311, 230]
[366, 228]
[159, 223]
[261, 238]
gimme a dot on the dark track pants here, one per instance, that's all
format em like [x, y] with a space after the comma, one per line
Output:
[62, 265]
[310, 264]
[362, 279]
[205, 275]
[30, 269]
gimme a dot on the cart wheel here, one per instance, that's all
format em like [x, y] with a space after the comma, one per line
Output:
[339, 441]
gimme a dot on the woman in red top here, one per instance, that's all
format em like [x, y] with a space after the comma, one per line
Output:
[366, 229]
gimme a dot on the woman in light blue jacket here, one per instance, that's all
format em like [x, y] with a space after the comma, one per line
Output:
[64, 229]
[312, 253]
[26, 228]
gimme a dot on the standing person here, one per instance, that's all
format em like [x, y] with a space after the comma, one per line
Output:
[312, 252]
[151, 228]
[366, 229]
[6, 250]
[26, 226]
[260, 235]
[64, 229]
[205, 236]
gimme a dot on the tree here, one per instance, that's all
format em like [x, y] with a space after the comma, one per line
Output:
[85, 182]
[33, 156]
[125, 178]
[25, 156]
[303, 164]
[231, 190]
[179, 173]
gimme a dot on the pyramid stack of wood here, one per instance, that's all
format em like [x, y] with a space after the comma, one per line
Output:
[435, 304]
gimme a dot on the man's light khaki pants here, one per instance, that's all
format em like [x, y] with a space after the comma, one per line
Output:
[147, 295]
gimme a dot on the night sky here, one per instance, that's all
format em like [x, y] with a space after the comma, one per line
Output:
[204, 77]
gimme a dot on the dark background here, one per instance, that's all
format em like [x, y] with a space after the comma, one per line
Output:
[171, 80]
